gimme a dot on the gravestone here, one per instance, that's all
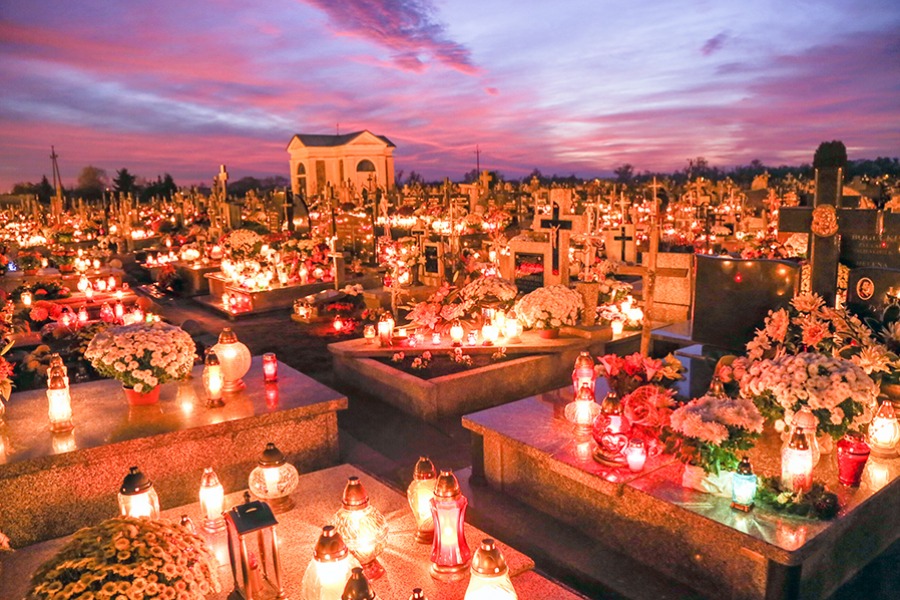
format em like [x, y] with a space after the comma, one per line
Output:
[620, 244]
[871, 289]
[733, 297]
[433, 268]
[878, 246]
[529, 273]
[559, 228]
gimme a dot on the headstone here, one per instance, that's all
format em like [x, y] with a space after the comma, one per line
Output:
[871, 289]
[879, 246]
[620, 244]
[559, 228]
[433, 269]
[733, 297]
[529, 273]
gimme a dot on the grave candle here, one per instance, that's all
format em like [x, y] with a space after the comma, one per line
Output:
[618, 326]
[450, 553]
[26, 298]
[82, 315]
[490, 575]
[884, 431]
[583, 410]
[363, 527]
[328, 572]
[111, 283]
[489, 334]
[797, 462]
[212, 501]
[338, 324]
[274, 479]
[852, 454]
[419, 494]
[369, 333]
[59, 405]
[235, 359]
[472, 338]
[636, 455]
[583, 373]
[89, 293]
[119, 310]
[270, 367]
[436, 339]
[513, 330]
[456, 334]
[418, 594]
[386, 329]
[137, 497]
[213, 380]
[744, 484]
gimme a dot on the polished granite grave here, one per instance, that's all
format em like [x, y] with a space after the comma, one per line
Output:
[528, 450]
[534, 364]
[52, 484]
[317, 498]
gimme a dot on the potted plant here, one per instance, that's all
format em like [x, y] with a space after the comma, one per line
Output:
[549, 308]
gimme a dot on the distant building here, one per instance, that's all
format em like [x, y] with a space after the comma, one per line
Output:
[360, 159]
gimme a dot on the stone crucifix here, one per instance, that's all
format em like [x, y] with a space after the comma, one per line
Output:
[558, 229]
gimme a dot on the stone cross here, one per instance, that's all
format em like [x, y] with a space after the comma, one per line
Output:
[557, 238]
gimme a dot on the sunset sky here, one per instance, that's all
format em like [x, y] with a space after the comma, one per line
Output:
[572, 86]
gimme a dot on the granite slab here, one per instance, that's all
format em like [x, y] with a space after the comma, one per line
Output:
[316, 500]
[52, 484]
[527, 450]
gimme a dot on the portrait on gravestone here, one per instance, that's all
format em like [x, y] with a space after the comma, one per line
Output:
[529, 271]
[733, 297]
[871, 289]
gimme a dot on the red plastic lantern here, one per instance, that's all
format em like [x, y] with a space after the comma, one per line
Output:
[852, 454]
[450, 553]
[610, 431]
[270, 367]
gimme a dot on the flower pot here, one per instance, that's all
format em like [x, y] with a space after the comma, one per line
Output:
[141, 398]
[549, 334]
[696, 478]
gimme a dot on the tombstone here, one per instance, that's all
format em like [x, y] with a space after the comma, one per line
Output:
[733, 297]
[529, 273]
[871, 289]
[433, 269]
[559, 229]
[879, 243]
[620, 244]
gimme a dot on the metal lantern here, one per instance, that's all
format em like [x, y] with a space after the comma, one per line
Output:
[884, 431]
[490, 575]
[583, 410]
[274, 479]
[212, 501]
[328, 571]
[213, 380]
[419, 493]
[59, 403]
[358, 587]
[610, 431]
[583, 373]
[362, 526]
[235, 360]
[137, 498]
[450, 553]
[253, 550]
[744, 484]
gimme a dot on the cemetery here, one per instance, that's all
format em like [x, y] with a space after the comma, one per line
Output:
[300, 393]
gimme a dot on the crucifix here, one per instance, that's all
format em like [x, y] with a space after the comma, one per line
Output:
[554, 226]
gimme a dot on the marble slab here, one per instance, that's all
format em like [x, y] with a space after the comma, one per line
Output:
[527, 450]
[53, 484]
[317, 498]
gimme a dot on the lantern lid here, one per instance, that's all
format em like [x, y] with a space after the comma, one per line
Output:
[418, 594]
[271, 456]
[611, 404]
[798, 440]
[584, 360]
[385, 317]
[886, 410]
[56, 359]
[211, 359]
[135, 482]
[585, 394]
[357, 587]
[488, 560]
[251, 516]
[228, 336]
[56, 381]
[716, 388]
[424, 469]
[744, 467]
[446, 485]
[804, 419]
[355, 495]
[209, 478]
[331, 546]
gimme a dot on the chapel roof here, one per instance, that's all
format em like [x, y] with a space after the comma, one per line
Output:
[328, 141]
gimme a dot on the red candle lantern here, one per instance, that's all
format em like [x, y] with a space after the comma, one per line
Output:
[610, 431]
[106, 313]
[852, 454]
[270, 367]
[583, 373]
[450, 553]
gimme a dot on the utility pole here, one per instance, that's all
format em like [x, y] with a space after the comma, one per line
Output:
[477, 162]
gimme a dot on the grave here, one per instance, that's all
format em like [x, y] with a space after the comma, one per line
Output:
[317, 498]
[527, 450]
[53, 484]
[871, 289]
[193, 277]
[255, 301]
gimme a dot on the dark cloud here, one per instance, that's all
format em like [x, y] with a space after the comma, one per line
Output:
[405, 27]
[714, 44]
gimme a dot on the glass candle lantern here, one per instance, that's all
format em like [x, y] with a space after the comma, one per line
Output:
[419, 494]
[253, 550]
[436, 339]
[618, 326]
[83, 284]
[89, 294]
[59, 403]
[513, 329]
[328, 571]
[489, 333]
[636, 455]
[806, 421]
[362, 526]
[884, 431]
[26, 298]
[369, 333]
[137, 497]
[450, 553]
[490, 575]
[274, 479]
[797, 462]
[358, 587]
[83, 316]
[338, 323]
[610, 431]
[583, 410]
[457, 333]
[743, 488]
[852, 454]
[213, 380]
[107, 315]
[212, 501]
[472, 338]
[386, 329]
[56, 362]
[270, 367]
[119, 309]
[234, 358]
[583, 373]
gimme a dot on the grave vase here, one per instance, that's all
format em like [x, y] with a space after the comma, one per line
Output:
[141, 398]
[590, 293]
[696, 478]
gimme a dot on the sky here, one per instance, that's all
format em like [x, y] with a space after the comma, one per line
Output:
[568, 87]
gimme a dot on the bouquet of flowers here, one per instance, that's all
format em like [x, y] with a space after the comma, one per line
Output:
[625, 374]
[62, 257]
[142, 355]
[129, 558]
[242, 243]
[489, 289]
[29, 260]
[549, 307]
[836, 390]
[710, 431]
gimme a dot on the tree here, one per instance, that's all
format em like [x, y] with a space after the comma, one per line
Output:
[124, 181]
[45, 190]
[624, 174]
[91, 182]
